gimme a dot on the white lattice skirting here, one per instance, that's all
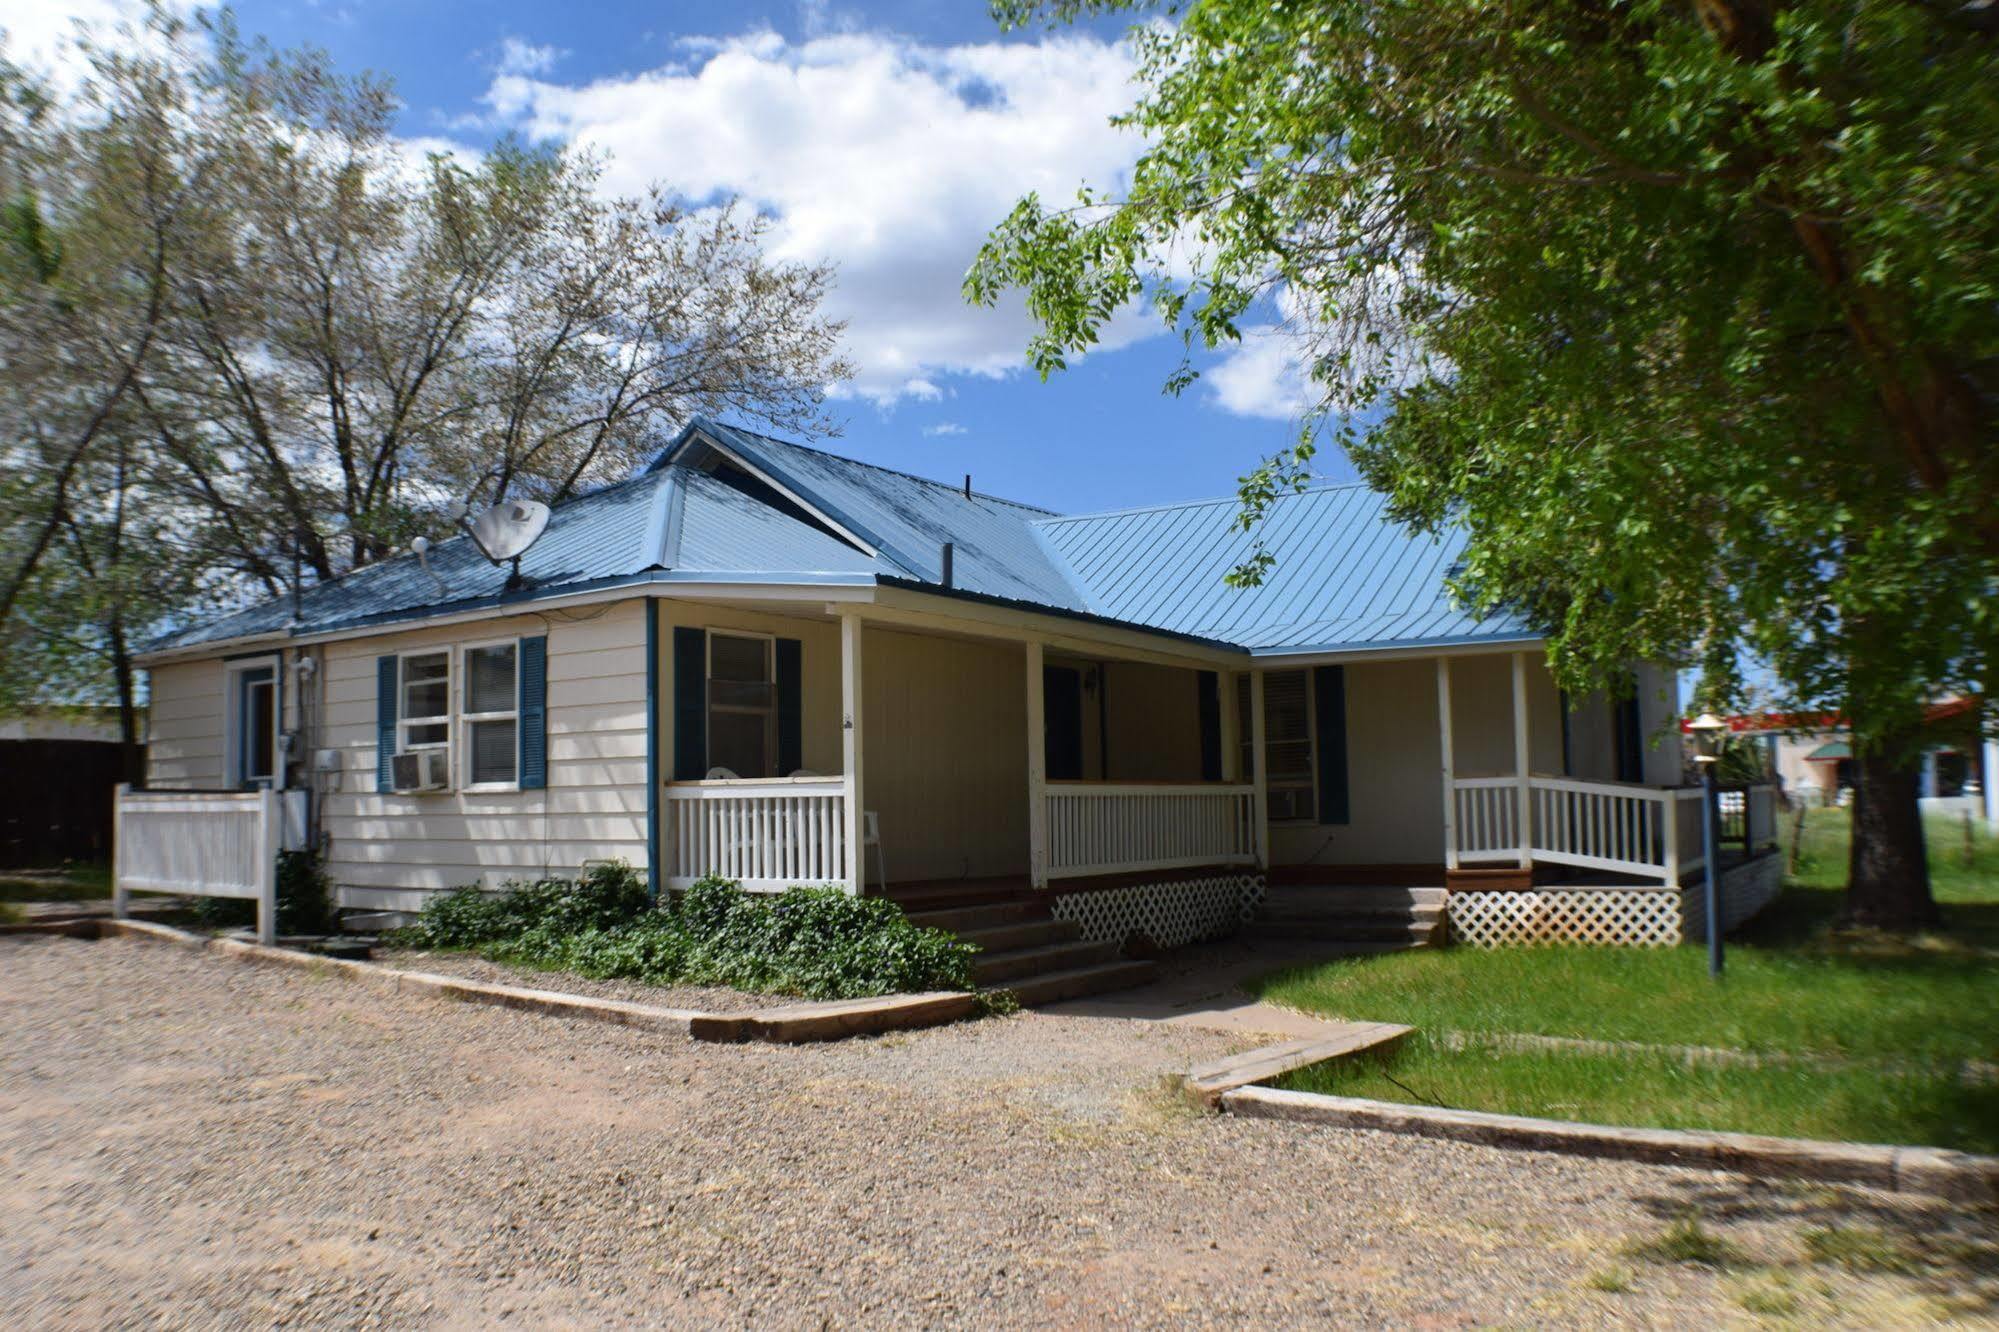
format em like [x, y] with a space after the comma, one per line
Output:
[1629, 917]
[1170, 913]
[1614, 917]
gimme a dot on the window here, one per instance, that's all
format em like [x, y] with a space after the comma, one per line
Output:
[490, 714]
[742, 705]
[424, 717]
[1287, 743]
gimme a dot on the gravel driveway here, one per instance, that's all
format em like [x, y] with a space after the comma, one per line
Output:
[185, 1140]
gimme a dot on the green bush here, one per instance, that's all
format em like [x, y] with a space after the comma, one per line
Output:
[816, 942]
[304, 904]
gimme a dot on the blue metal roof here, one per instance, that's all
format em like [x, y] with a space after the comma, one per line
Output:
[1345, 578]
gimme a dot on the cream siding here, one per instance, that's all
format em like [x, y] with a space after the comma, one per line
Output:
[1154, 717]
[594, 807]
[184, 725]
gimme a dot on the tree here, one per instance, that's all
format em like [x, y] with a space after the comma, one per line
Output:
[1685, 309]
[241, 317]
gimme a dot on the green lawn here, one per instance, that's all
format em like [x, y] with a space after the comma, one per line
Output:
[66, 883]
[1906, 1013]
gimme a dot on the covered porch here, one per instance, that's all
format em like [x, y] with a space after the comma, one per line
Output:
[928, 756]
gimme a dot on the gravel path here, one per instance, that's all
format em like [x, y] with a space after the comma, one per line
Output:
[470, 966]
[186, 1141]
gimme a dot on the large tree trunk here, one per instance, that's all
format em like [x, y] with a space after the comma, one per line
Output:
[132, 748]
[1888, 870]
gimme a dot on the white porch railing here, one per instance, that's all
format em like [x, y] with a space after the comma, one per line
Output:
[1111, 828]
[768, 834]
[201, 843]
[1488, 818]
[1648, 832]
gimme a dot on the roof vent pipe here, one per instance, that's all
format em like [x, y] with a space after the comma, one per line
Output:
[945, 578]
[968, 485]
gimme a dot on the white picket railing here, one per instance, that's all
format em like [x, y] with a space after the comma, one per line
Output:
[1598, 825]
[200, 843]
[768, 834]
[1110, 828]
[1647, 831]
[1488, 818]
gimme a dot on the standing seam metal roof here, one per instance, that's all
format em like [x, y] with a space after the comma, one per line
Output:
[1346, 576]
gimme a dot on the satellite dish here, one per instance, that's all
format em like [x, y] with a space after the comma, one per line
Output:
[505, 531]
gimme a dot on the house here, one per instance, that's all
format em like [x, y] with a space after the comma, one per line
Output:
[767, 661]
[1812, 756]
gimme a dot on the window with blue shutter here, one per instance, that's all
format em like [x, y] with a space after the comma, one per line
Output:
[1329, 710]
[1208, 701]
[386, 682]
[790, 706]
[690, 704]
[534, 713]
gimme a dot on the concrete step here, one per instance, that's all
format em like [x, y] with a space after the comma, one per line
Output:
[1304, 899]
[375, 922]
[1051, 986]
[960, 919]
[994, 968]
[1021, 934]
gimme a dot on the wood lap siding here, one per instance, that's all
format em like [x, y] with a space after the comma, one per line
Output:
[184, 725]
[593, 808]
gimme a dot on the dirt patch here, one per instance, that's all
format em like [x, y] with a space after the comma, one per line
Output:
[185, 1141]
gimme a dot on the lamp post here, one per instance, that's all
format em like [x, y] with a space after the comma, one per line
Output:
[1708, 730]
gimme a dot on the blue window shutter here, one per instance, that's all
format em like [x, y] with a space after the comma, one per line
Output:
[533, 730]
[1208, 698]
[385, 723]
[790, 707]
[690, 704]
[1329, 703]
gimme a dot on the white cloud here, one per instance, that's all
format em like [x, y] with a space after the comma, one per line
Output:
[519, 57]
[890, 157]
[1263, 375]
[39, 33]
[943, 428]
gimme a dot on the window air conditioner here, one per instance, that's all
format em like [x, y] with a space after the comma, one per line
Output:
[422, 770]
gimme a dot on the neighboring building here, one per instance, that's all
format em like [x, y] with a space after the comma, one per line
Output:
[58, 769]
[1812, 756]
[754, 653]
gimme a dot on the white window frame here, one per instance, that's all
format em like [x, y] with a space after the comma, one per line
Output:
[707, 680]
[462, 719]
[232, 719]
[404, 722]
[1311, 784]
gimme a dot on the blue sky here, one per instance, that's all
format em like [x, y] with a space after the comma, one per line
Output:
[884, 136]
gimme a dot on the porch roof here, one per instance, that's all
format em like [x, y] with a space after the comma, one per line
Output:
[722, 504]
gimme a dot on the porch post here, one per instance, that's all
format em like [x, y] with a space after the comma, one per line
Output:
[850, 754]
[1988, 777]
[1037, 771]
[1259, 771]
[1450, 764]
[1525, 807]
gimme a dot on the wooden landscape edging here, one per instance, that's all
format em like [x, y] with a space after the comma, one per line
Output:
[785, 1024]
[1959, 1176]
[1206, 1084]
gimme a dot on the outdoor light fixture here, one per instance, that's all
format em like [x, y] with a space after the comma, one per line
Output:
[1708, 730]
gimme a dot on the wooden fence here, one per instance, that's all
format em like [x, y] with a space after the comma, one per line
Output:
[199, 843]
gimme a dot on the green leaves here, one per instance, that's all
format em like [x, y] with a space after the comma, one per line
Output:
[1682, 311]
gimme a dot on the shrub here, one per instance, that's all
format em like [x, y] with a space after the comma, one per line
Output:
[816, 942]
[304, 904]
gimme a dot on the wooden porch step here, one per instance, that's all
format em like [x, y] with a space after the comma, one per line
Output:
[1052, 986]
[960, 919]
[1014, 963]
[1317, 899]
[1356, 929]
[1021, 934]
[1207, 1082]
